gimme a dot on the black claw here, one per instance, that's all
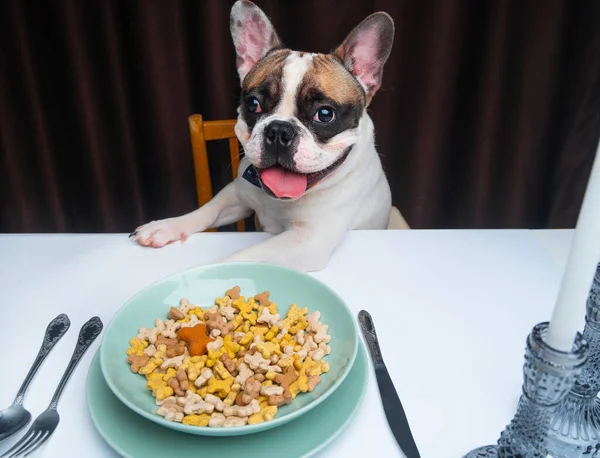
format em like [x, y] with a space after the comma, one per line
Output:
[132, 234]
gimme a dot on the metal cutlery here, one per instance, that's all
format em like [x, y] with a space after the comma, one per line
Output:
[16, 417]
[392, 406]
[45, 424]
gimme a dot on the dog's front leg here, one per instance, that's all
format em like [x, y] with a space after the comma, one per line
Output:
[225, 208]
[301, 248]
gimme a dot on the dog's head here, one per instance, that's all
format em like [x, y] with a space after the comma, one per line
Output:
[299, 111]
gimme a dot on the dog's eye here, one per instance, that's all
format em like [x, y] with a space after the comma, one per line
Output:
[253, 105]
[324, 114]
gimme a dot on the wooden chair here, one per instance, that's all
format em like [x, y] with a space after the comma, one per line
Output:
[200, 132]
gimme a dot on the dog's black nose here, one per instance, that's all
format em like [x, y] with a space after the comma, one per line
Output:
[279, 135]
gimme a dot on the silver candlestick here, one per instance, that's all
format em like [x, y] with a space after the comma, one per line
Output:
[548, 376]
[575, 425]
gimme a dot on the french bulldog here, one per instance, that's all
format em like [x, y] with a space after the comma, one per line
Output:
[310, 171]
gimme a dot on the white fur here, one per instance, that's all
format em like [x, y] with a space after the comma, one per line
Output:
[293, 71]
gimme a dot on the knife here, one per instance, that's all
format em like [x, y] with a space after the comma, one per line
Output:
[392, 406]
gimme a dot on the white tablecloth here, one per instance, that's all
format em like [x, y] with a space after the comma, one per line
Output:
[452, 310]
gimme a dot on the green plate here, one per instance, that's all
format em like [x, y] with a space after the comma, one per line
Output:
[201, 286]
[130, 435]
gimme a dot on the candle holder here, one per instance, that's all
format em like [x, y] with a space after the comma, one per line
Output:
[548, 376]
[575, 425]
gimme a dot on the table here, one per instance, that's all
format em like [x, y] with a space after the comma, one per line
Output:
[452, 311]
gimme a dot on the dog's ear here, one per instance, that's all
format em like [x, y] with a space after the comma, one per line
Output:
[366, 49]
[253, 35]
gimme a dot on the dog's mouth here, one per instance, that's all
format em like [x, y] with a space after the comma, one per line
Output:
[282, 183]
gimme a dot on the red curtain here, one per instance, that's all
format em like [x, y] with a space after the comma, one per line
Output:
[488, 117]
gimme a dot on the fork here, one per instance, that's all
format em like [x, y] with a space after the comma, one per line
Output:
[45, 424]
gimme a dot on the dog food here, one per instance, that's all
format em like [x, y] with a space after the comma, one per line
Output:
[232, 364]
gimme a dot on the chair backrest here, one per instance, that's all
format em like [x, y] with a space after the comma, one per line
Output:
[200, 132]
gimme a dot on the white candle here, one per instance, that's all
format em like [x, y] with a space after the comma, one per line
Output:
[569, 312]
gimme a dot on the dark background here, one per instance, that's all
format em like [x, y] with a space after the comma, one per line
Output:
[488, 117]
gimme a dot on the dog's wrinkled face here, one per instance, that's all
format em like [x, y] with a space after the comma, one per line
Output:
[299, 112]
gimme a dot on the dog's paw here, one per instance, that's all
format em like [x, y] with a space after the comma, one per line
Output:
[160, 233]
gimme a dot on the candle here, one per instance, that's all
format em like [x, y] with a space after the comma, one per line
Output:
[569, 310]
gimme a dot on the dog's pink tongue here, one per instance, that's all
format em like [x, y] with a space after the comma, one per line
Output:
[284, 183]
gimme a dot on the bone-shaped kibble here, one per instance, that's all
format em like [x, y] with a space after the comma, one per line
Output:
[321, 336]
[320, 329]
[194, 320]
[271, 390]
[313, 320]
[257, 339]
[185, 306]
[266, 414]
[220, 369]
[196, 420]
[245, 411]
[245, 309]
[281, 334]
[215, 346]
[229, 364]
[219, 420]
[215, 401]
[194, 404]
[215, 322]
[170, 410]
[170, 327]
[173, 362]
[272, 333]
[228, 311]
[263, 299]
[179, 383]
[193, 366]
[320, 352]
[309, 345]
[231, 347]
[150, 366]
[137, 362]
[151, 334]
[220, 387]
[313, 381]
[175, 314]
[231, 422]
[150, 350]
[256, 361]
[267, 349]
[294, 315]
[251, 390]
[310, 367]
[137, 347]
[301, 384]
[275, 368]
[244, 374]
[203, 378]
[230, 398]
[268, 318]
[233, 293]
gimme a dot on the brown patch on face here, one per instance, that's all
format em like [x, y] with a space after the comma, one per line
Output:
[328, 75]
[263, 83]
[271, 64]
[328, 84]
